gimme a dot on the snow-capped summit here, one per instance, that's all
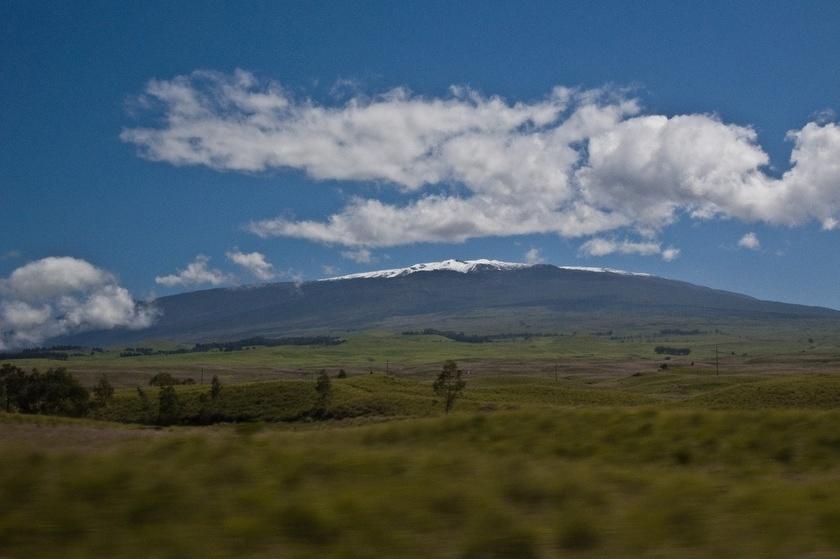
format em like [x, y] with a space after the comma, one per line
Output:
[462, 266]
[465, 267]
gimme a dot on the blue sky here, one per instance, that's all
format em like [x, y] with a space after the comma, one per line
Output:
[77, 179]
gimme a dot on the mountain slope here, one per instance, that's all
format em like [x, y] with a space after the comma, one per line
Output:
[482, 297]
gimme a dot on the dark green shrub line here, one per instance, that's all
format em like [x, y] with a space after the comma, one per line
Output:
[666, 350]
[236, 345]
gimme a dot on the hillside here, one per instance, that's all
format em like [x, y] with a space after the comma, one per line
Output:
[481, 296]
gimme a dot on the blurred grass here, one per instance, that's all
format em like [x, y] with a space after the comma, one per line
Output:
[605, 482]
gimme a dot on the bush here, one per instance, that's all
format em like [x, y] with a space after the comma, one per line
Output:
[55, 392]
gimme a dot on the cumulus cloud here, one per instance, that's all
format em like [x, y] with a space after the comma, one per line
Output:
[533, 256]
[750, 241]
[360, 256]
[575, 163]
[63, 295]
[253, 262]
[197, 272]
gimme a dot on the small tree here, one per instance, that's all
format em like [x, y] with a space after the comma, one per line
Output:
[215, 388]
[449, 384]
[103, 392]
[323, 386]
[169, 407]
[342, 373]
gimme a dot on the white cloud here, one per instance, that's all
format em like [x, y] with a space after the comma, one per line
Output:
[197, 272]
[63, 295]
[330, 270]
[575, 163]
[254, 262]
[533, 256]
[360, 256]
[670, 254]
[600, 246]
[749, 241]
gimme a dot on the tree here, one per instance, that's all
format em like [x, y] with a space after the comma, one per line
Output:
[215, 388]
[449, 384]
[342, 373]
[323, 386]
[103, 392]
[162, 379]
[169, 407]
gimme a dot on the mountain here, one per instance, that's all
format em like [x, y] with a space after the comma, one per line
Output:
[476, 296]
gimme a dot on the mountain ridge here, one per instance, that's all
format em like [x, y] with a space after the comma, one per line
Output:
[537, 297]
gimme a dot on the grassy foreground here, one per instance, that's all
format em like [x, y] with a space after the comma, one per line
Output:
[608, 482]
[604, 456]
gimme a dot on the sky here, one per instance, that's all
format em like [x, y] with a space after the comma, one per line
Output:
[152, 148]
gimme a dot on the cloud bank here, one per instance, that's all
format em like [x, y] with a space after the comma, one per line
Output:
[575, 163]
[63, 295]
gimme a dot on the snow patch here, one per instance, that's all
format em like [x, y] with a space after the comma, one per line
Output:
[466, 267]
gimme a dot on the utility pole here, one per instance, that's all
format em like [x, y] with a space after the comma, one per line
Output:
[387, 367]
[717, 361]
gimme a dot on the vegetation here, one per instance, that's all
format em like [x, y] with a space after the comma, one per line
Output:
[323, 388]
[54, 392]
[595, 454]
[449, 384]
[103, 392]
[165, 379]
[237, 345]
[604, 482]
[661, 349]
[473, 338]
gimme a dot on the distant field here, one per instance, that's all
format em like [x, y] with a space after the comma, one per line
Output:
[752, 350]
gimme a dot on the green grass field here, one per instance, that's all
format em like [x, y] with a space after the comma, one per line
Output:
[559, 447]
[739, 350]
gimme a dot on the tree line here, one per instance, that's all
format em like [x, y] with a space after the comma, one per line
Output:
[53, 392]
[236, 345]
[473, 338]
[57, 392]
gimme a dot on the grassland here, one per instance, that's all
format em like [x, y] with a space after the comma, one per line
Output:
[573, 446]
[764, 351]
